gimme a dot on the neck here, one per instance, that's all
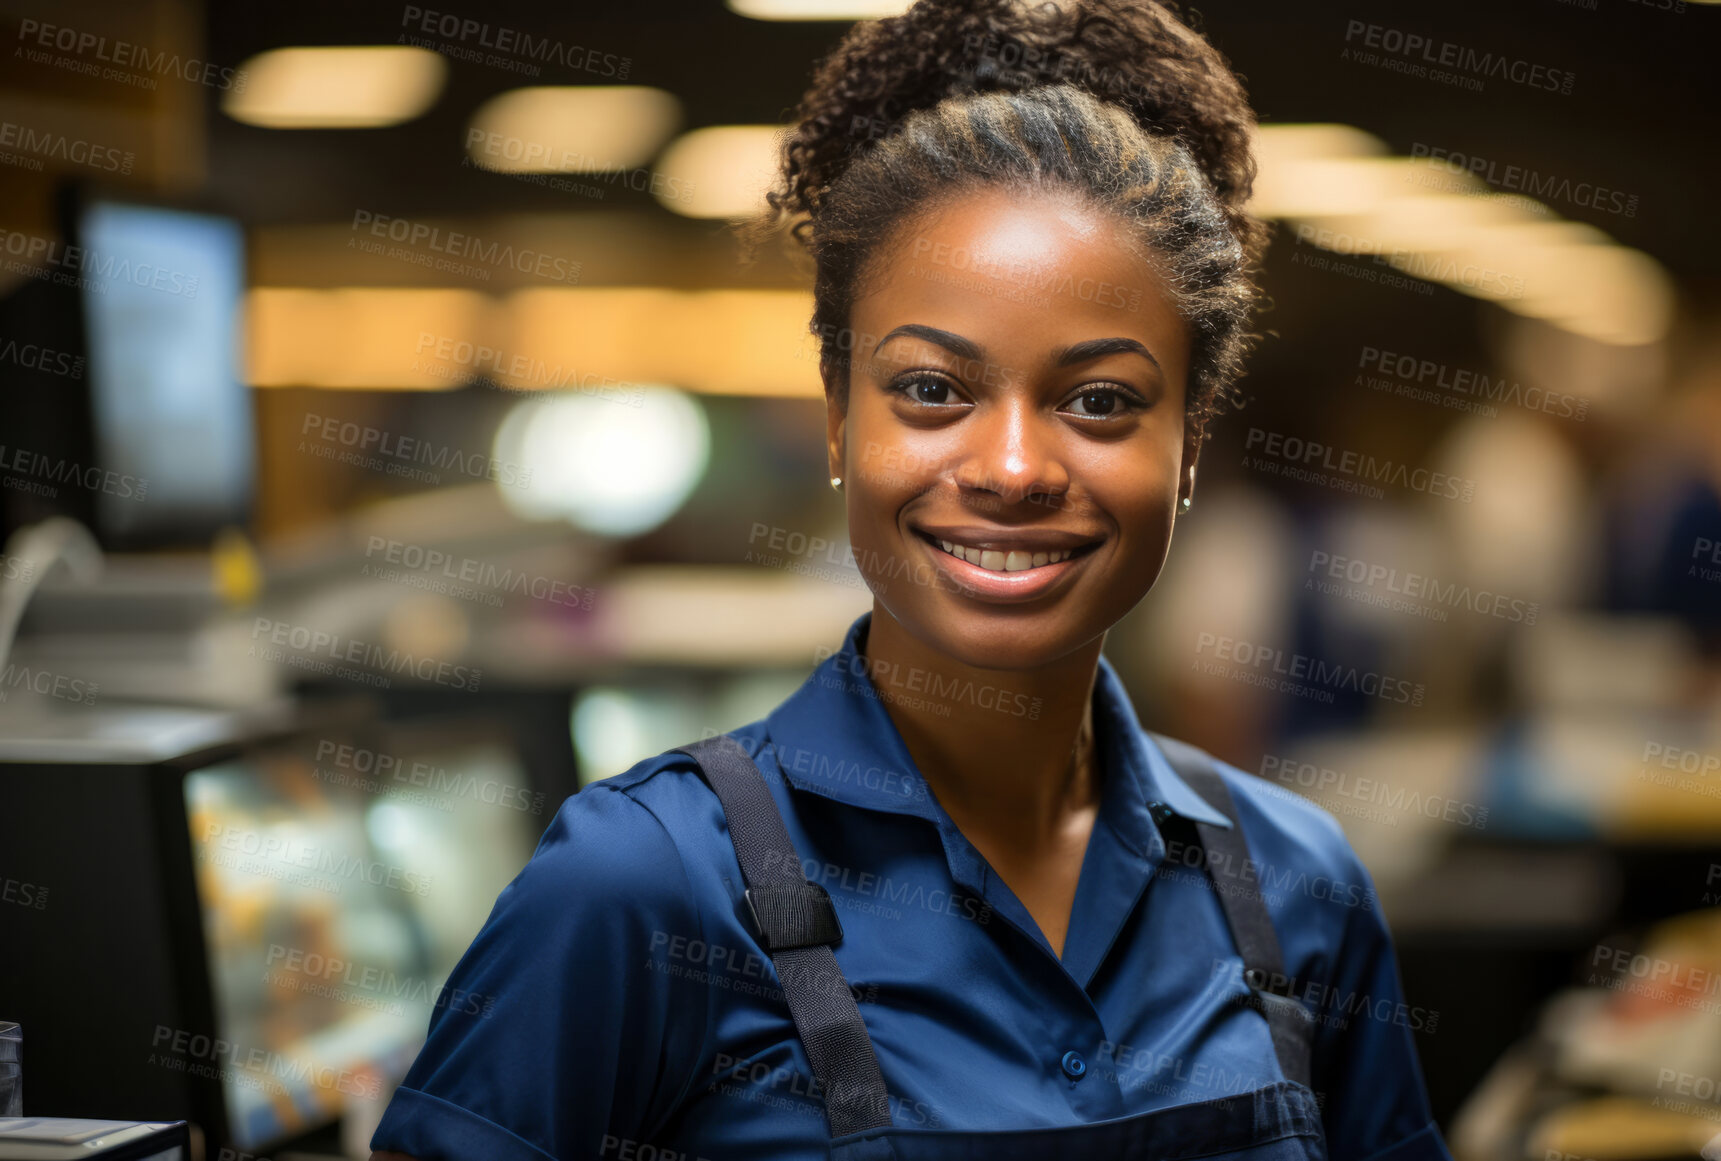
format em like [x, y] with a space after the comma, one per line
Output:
[990, 764]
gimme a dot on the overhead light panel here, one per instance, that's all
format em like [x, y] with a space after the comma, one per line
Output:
[571, 128]
[818, 9]
[720, 172]
[337, 87]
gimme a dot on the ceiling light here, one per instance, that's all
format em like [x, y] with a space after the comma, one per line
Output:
[720, 172]
[340, 87]
[818, 9]
[571, 128]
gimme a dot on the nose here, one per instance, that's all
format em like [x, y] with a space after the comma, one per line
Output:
[1014, 452]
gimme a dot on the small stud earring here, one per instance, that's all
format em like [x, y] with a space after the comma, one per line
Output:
[1187, 503]
[836, 483]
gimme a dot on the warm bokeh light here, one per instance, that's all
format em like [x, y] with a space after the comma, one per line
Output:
[722, 342]
[818, 9]
[339, 87]
[360, 337]
[1339, 191]
[720, 172]
[571, 128]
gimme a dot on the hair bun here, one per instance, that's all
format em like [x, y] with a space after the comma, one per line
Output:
[1138, 54]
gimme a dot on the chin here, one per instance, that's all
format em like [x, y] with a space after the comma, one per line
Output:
[1016, 637]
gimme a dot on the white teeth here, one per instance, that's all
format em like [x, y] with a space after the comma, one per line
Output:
[995, 560]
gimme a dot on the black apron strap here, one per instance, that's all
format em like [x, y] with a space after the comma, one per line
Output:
[1236, 878]
[797, 923]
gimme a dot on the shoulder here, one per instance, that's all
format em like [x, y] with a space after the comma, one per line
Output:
[1299, 847]
[633, 836]
[1286, 821]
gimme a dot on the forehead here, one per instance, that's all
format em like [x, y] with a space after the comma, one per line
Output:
[1021, 272]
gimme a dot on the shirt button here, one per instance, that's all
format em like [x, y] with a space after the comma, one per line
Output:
[1160, 812]
[1074, 1066]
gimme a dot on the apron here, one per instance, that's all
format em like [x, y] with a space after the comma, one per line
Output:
[797, 925]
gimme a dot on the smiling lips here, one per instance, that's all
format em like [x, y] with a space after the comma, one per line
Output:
[992, 560]
[1008, 553]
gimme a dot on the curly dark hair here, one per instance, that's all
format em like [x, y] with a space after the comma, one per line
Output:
[1117, 100]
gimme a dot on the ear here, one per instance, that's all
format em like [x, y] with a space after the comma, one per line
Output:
[836, 417]
[1192, 439]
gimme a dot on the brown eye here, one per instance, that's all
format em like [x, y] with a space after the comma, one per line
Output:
[1102, 403]
[932, 390]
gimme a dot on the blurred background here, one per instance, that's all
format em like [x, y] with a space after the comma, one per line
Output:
[393, 443]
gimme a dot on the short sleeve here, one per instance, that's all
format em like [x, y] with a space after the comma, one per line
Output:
[561, 1038]
[1365, 1062]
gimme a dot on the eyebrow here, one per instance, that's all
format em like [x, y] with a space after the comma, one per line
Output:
[1076, 353]
[1094, 348]
[946, 339]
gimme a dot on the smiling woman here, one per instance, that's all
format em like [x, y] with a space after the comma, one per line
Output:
[949, 900]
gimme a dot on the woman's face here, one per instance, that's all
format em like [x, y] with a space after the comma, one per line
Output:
[1016, 387]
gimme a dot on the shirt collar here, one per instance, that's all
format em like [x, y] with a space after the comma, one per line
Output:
[834, 737]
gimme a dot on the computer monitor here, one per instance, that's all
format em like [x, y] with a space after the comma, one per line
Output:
[122, 373]
[163, 303]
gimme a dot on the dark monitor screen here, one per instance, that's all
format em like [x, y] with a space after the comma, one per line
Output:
[163, 298]
[339, 886]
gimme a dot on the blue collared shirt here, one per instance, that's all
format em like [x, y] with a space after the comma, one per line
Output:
[630, 1013]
